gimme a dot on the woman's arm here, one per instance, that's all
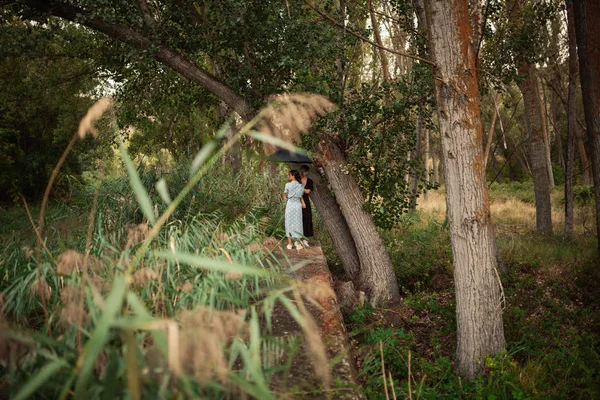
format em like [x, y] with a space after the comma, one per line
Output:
[307, 191]
[285, 195]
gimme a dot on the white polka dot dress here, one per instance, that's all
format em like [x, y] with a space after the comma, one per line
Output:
[293, 210]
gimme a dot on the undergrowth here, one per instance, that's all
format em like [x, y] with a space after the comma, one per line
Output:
[551, 318]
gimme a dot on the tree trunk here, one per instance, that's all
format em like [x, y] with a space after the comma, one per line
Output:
[585, 164]
[377, 277]
[382, 54]
[478, 303]
[336, 225]
[490, 136]
[547, 142]
[571, 121]
[426, 157]
[587, 28]
[534, 119]
[414, 176]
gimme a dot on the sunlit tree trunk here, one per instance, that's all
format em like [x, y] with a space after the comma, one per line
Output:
[536, 126]
[587, 28]
[478, 303]
[377, 277]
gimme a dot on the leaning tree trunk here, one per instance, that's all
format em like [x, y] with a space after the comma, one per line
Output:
[336, 225]
[534, 119]
[478, 299]
[377, 277]
[571, 122]
[587, 28]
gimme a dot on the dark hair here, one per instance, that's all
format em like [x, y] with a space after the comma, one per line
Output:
[296, 175]
[304, 168]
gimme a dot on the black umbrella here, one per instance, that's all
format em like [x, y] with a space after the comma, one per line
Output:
[286, 156]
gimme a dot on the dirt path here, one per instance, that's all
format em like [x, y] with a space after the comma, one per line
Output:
[302, 382]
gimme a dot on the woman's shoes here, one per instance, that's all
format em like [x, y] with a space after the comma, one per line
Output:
[298, 246]
[305, 243]
[289, 246]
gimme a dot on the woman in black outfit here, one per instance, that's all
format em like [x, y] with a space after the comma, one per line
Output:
[307, 211]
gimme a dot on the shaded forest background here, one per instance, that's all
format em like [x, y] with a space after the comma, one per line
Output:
[190, 78]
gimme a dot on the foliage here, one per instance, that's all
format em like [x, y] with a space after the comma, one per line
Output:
[550, 317]
[182, 318]
[45, 90]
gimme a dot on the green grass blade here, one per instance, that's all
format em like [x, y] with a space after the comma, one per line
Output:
[210, 263]
[163, 191]
[113, 304]
[136, 184]
[208, 149]
[47, 372]
[276, 142]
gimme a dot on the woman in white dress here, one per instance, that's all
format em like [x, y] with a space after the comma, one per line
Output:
[293, 209]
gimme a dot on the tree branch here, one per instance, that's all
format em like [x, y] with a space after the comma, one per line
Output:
[364, 39]
[161, 53]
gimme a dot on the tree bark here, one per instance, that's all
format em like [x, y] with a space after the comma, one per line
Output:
[478, 302]
[571, 122]
[336, 225]
[534, 120]
[426, 157]
[547, 142]
[490, 136]
[382, 55]
[377, 277]
[414, 176]
[587, 29]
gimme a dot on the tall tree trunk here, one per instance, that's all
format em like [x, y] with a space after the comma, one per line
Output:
[336, 225]
[571, 121]
[534, 119]
[490, 136]
[414, 176]
[587, 28]
[585, 164]
[377, 277]
[426, 157]
[478, 303]
[547, 142]
[382, 54]
[435, 164]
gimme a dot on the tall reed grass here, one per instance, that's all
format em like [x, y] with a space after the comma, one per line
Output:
[156, 300]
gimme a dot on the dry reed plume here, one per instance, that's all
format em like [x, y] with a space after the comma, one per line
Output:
[144, 275]
[86, 125]
[41, 289]
[289, 115]
[203, 334]
[72, 260]
[136, 233]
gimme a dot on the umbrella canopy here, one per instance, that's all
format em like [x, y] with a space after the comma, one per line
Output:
[286, 156]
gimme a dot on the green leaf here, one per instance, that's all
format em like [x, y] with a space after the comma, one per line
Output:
[136, 184]
[92, 348]
[208, 149]
[163, 191]
[47, 372]
[210, 263]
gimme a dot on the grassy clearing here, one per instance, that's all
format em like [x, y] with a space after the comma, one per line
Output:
[551, 319]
